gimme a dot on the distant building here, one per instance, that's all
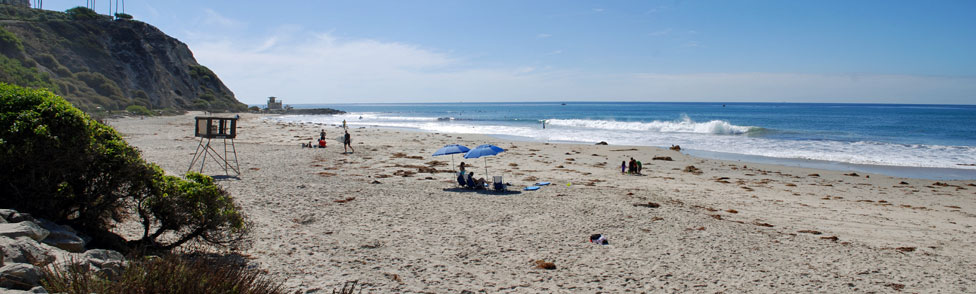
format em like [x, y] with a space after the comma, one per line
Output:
[25, 3]
[272, 104]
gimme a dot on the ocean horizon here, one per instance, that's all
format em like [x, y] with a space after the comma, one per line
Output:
[933, 141]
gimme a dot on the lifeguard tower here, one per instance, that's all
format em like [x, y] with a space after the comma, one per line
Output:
[209, 128]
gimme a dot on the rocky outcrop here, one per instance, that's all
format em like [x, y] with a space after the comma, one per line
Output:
[27, 245]
[97, 62]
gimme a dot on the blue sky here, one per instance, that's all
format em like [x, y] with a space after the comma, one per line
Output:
[431, 51]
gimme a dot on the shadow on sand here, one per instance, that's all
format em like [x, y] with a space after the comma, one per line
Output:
[226, 178]
[482, 191]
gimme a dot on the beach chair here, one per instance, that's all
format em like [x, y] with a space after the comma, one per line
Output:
[497, 183]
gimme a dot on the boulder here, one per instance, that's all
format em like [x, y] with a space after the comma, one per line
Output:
[63, 237]
[12, 216]
[25, 250]
[29, 229]
[602, 143]
[105, 261]
[19, 276]
[35, 290]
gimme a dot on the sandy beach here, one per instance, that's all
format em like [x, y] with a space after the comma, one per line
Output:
[390, 216]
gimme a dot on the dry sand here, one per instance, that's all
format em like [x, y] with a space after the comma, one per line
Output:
[322, 218]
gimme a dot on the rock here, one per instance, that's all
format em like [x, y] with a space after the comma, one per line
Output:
[665, 158]
[35, 290]
[25, 250]
[602, 143]
[106, 261]
[19, 276]
[675, 147]
[12, 216]
[30, 229]
[63, 237]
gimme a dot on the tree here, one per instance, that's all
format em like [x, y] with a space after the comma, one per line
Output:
[191, 209]
[81, 13]
[58, 163]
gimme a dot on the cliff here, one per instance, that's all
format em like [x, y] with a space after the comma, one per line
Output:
[97, 62]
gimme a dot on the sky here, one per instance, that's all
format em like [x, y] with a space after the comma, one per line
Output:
[307, 52]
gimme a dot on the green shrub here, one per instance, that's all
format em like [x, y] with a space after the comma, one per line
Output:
[203, 73]
[168, 274]
[200, 104]
[9, 43]
[82, 13]
[58, 163]
[101, 84]
[123, 16]
[139, 110]
[185, 210]
[14, 72]
[254, 109]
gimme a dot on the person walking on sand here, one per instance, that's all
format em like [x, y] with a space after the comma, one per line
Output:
[347, 142]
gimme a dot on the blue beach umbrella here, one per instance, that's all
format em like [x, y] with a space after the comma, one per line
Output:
[484, 150]
[451, 150]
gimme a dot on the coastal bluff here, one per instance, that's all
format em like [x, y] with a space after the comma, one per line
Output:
[98, 62]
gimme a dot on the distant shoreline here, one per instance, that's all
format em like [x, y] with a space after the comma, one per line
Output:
[928, 173]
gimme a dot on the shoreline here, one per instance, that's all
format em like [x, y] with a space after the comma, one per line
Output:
[389, 216]
[910, 172]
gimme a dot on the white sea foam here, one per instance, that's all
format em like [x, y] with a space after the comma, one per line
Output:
[685, 125]
[715, 136]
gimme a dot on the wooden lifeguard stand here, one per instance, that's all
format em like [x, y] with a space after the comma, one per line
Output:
[209, 128]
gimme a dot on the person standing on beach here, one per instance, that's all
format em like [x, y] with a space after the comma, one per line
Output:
[344, 125]
[623, 167]
[322, 135]
[347, 142]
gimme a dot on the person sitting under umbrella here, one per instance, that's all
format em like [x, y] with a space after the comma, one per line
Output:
[476, 184]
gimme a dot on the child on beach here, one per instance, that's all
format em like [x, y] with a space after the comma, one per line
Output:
[623, 167]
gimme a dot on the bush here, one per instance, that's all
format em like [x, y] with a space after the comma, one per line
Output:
[124, 16]
[101, 84]
[58, 163]
[254, 109]
[81, 13]
[185, 210]
[9, 43]
[14, 72]
[169, 274]
[139, 110]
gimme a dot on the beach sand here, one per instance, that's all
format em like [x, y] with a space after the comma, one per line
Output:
[322, 217]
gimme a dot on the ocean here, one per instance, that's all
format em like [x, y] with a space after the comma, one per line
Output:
[922, 141]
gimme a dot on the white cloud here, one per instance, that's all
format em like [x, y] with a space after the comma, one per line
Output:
[306, 67]
[543, 36]
[214, 18]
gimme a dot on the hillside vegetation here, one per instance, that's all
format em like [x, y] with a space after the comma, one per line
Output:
[100, 63]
